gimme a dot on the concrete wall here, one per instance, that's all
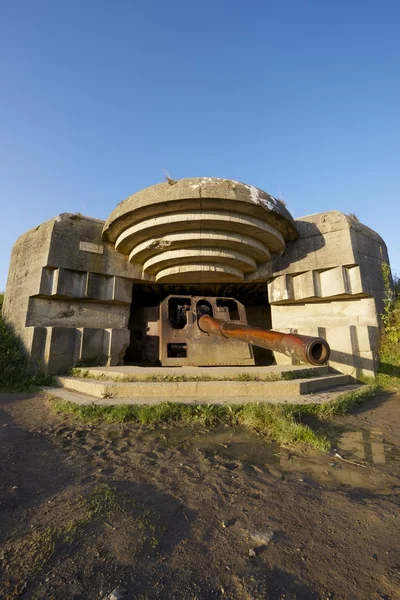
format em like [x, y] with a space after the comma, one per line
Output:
[349, 326]
[329, 283]
[30, 252]
[68, 294]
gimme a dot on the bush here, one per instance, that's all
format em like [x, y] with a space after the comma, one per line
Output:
[15, 370]
[396, 283]
[389, 348]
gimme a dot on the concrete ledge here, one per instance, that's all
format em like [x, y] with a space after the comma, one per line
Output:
[117, 372]
[179, 390]
[320, 398]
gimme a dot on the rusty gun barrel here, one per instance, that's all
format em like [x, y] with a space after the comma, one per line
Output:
[305, 348]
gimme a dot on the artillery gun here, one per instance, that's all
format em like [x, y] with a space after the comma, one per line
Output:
[207, 330]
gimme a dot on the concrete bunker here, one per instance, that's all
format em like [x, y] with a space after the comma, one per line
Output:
[84, 291]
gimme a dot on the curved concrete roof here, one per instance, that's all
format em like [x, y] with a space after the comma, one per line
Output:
[195, 193]
[196, 229]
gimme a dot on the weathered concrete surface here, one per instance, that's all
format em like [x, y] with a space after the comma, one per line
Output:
[185, 194]
[189, 230]
[334, 256]
[63, 283]
[174, 390]
[329, 283]
[29, 254]
[350, 328]
[215, 372]
[320, 397]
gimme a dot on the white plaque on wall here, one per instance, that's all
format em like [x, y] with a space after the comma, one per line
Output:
[89, 247]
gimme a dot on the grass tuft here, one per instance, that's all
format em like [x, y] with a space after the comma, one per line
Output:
[173, 377]
[342, 405]
[279, 423]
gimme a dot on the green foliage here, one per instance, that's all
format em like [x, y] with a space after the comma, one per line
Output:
[279, 423]
[76, 217]
[389, 320]
[15, 371]
[396, 284]
[14, 365]
[389, 350]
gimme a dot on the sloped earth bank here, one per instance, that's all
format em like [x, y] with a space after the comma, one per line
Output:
[192, 514]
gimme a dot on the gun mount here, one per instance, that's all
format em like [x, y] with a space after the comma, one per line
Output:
[213, 331]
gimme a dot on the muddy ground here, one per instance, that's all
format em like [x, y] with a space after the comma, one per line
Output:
[196, 514]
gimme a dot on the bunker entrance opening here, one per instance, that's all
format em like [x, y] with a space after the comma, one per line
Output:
[144, 320]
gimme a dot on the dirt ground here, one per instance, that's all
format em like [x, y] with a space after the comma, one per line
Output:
[196, 514]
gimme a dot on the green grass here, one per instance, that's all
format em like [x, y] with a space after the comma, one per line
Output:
[342, 405]
[173, 377]
[281, 423]
[276, 422]
[103, 502]
[389, 354]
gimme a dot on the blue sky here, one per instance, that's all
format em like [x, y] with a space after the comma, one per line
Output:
[300, 98]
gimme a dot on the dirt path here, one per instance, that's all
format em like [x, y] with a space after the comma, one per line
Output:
[190, 514]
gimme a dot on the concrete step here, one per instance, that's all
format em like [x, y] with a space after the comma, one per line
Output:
[144, 373]
[178, 390]
[321, 397]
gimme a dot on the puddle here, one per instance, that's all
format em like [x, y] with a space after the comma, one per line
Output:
[240, 445]
[367, 449]
[232, 443]
[368, 446]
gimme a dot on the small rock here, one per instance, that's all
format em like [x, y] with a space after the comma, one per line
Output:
[332, 464]
[230, 466]
[228, 522]
[117, 594]
[252, 552]
[263, 536]
[275, 473]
